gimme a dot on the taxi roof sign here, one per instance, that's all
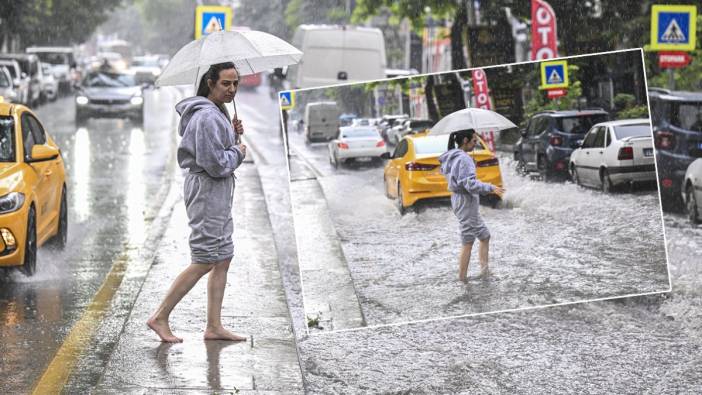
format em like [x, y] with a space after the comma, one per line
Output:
[554, 74]
[286, 99]
[210, 19]
[673, 27]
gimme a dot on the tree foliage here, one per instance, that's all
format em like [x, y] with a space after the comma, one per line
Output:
[51, 22]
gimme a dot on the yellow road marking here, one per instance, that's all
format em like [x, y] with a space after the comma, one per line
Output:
[56, 374]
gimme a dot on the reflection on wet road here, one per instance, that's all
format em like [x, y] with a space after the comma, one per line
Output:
[115, 171]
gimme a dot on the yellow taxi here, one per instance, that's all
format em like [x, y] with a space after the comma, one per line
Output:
[33, 208]
[413, 172]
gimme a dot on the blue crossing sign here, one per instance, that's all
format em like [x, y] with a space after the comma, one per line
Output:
[210, 19]
[554, 74]
[286, 99]
[673, 27]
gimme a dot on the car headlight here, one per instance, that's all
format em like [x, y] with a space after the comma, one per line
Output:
[11, 202]
[137, 100]
[82, 100]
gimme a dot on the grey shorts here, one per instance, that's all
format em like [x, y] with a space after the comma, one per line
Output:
[208, 203]
[470, 223]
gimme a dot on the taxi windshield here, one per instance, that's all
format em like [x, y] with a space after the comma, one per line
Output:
[7, 140]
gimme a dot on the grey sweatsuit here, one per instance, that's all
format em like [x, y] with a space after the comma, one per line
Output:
[459, 169]
[207, 149]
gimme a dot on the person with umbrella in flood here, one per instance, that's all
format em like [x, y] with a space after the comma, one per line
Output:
[459, 169]
[209, 151]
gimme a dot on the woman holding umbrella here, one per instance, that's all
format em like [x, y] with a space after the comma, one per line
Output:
[210, 152]
[459, 169]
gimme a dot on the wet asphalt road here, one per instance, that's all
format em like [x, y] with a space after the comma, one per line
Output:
[115, 171]
[551, 243]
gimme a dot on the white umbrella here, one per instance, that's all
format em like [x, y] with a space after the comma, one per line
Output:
[471, 118]
[251, 52]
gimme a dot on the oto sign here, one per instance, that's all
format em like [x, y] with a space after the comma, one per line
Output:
[673, 27]
[210, 19]
[544, 40]
[480, 89]
[554, 74]
[286, 99]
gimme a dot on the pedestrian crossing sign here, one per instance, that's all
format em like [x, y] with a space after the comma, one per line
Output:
[554, 74]
[209, 19]
[673, 27]
[287, 100]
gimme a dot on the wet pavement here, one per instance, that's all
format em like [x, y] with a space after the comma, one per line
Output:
[254, 305]
[551, 243]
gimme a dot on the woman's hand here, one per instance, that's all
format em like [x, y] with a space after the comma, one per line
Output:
[498, 190]
[238, 127]
[242, 148]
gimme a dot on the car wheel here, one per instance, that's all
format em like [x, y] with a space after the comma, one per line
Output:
[521, 167]
[399, 202]
[605, 181]
[29, 265]
[574, 175]
[59, 240]
[691, 201]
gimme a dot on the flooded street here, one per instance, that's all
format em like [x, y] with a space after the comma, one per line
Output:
[551, 243]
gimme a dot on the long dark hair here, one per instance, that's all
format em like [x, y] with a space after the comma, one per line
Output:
[212, 74]
[456, 138]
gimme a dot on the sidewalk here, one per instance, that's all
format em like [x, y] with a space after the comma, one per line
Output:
[254, 305]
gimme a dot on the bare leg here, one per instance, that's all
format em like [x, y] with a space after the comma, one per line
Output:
[464, 260]
[215, 294]
[180, 287]
[484, 252]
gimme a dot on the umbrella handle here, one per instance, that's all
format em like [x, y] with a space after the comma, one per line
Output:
[237, 137]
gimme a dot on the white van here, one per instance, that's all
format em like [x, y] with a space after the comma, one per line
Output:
[335, 54]
[321, 121]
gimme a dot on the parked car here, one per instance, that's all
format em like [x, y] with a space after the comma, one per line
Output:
[408, 126]
[7, 89]
[321, 121]
[413, 172]
[20, 80]
[550, 137]
[615, 153]
[146, 69]
[692, 191]
[251, 81]
[62, 61]
[109, 94]
[356, 143]
[387, 122]
[29, 64]
[334, 54]
[677, 136]
[33, 209]
[49, 84]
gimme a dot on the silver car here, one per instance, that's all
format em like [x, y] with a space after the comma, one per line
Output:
[109, 94]
[7, 90]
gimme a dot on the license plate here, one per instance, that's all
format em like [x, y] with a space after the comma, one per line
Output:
[364, 159]
[648, 151]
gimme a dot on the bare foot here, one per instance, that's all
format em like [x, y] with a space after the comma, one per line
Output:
[163, 330]
[222, 334]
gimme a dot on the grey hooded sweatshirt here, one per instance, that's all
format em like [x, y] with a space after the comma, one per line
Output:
[459, 169]
[207, 149]
[208, 139]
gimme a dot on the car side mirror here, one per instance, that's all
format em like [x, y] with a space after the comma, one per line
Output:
[386, 155]
[41, 153]
[23, 75]
[580, 143]
[523, 132]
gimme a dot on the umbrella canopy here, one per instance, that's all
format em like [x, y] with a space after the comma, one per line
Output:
[471, 118]
[250, 51]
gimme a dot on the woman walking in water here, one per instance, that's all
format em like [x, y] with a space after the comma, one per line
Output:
[208, 150]
[459, 169]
